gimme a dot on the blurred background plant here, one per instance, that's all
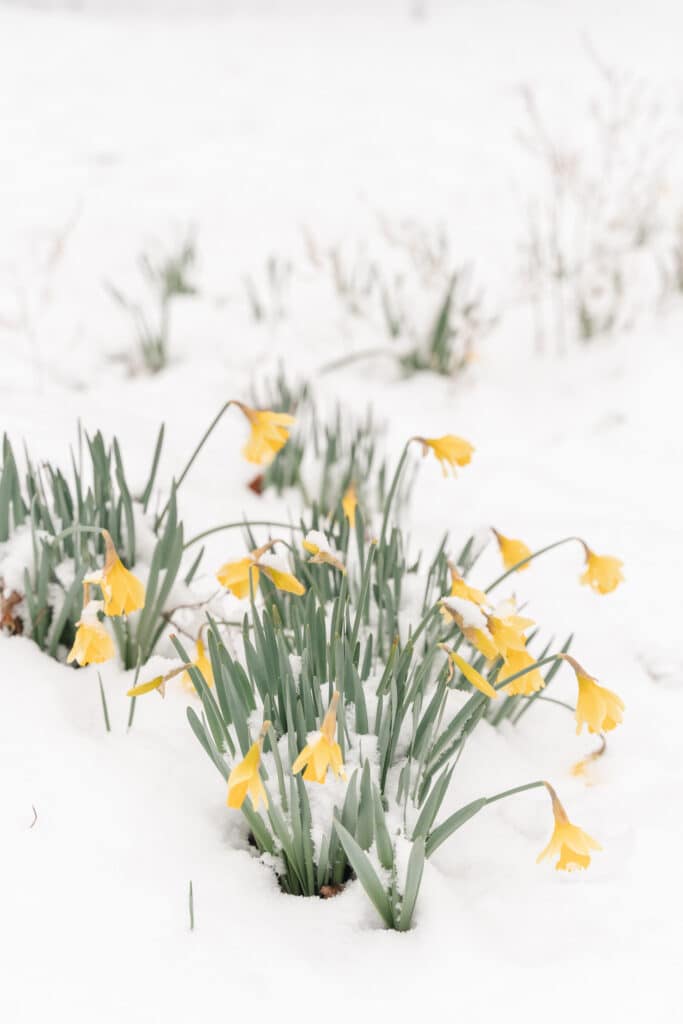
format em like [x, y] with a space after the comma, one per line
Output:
[165, 277]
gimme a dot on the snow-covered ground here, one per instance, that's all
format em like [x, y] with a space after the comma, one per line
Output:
[252, 126]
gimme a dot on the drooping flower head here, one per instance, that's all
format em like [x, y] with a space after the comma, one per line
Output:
[269, 433]
[317, 545]
[349, 504]
[322, 751]
[569, 843]
[471, 621]
[508, 628]
[516, 661]
[92, 644]
[451, 451]
[470, 673]
[460, 588]
[512, 551]
[234, 576]
[596, 707]
[602, 573]
[157, 683]
[203, 663]
[244, 779]
[122, 592]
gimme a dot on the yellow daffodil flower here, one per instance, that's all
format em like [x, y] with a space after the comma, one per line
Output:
[269, 433]
[603, 572]
[318, 546]
[244, 779]
[459, 588]
[322, 752]
[92, 644]
[525, 685]
[508, 631]
[157, 683]
[451, 451]
[234, 576]
[580, 769]
[569, 843]
[203, 663]
[470, 673]
[475, 635]
[597, 707]
[512, 551]
[122, 592]
[349, 504]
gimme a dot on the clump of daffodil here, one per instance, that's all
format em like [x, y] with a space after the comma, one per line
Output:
[603, 572]
[512, 551]
[157, 683]
[203, 663]
[122, 592]
[350, 503]
[569, 843]
[322, 751]
[470, 673]
[244, 779]
[596, 707]
[460, 588]
[317, 545]
[234, 576]
[451, 451]
[269, 433]
[92, 644]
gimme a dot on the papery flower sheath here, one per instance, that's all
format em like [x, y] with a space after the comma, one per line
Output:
[317, 545]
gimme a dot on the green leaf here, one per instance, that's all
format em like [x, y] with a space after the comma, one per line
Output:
[366, 874]
[452, 824]
[416, 863]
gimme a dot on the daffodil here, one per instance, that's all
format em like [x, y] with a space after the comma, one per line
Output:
[512, 551]
[451, 451]
[349, 504]
[92, 643]
[203, 663]
[597, 707]
[244, 779]
[234, 576]
[471, 622]
[317, 545]
[603, 572]
[470, 673]
[269, 433]
[460, 588]
[516, 661]
[507, 629]
[157, 682]
[569, 843]
[122, 592]
[322, 751]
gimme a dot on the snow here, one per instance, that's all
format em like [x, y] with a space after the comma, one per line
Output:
[253, 125]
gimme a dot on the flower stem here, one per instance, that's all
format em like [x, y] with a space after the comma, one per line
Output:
[514, 791]
[204, 438]
[233, 526]
[392, 492]
[529, 558]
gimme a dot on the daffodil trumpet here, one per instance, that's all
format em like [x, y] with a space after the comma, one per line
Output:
[273, 439]
[569, 843]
